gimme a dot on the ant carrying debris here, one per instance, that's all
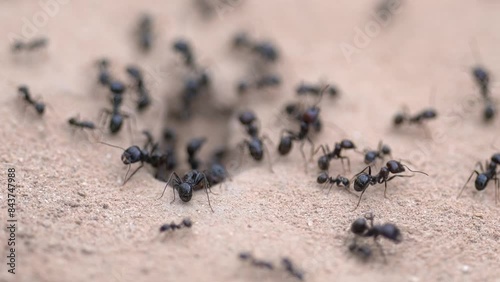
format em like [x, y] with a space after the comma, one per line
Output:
[37, 43]
[484, 176]
[270, 80]
[312, 89]
[192, 180]
[26, 95]
[192, 148]
[372, 155]
[361, 228]
[324, 161]
[186, 223]
[145, 32]
[144, 100]
[266, 50]
[116, 115]
[363, 180]
[340, 181]
[290, 268]
[255, 145]
[246, 256]
[403, 117]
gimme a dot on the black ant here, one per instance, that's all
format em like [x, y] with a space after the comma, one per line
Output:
[117, 117]
[270, 80]
[404, 117]
[482, 79]
[484, 176]
[144, 98]
[193, 87]
[184, 48]
[362, 251]
[246, 256]
[340, 181]
[217, 173]
[267, 51]
[364, 180]
[294, 111]
[34, 44]
[169, 138]
[290, 268]
[145, 32]
[25, 94]
[372, 155]
[186, 223]
[324, 161]
[82, 124]
[192, 148]
[104, 76]
[305, 88]
[185, 185]
[255, 145]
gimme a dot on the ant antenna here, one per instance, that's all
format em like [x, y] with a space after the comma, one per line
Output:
[114, 146]
[166, 185]
[414, 170]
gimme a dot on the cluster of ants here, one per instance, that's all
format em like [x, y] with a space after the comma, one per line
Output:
[286, 263]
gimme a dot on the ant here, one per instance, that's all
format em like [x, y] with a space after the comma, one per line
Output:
[361, 228]
[364, 180]
[104, 76]
[267, 51]
[34, 44]
[324, 161]
[482, 79]
[269, 80]
[25, 94]
[185, 185]
[404, 117]
[484, 176]
[186, 223]
[362, 251]
[287, 263]
[217, 173]
[255, 145]
[193, 146]
[82, 124]
[382, 151]
[169, 138]
[305, 88]
[246, 256]
[144, 97]
[117, 117]
[145, 32]
[184, 48]
[340, 181]
[293, 110]
[193, 87]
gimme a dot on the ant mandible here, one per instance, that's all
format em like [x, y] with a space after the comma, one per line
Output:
[363, 180]
[484, 176]
[185, 185]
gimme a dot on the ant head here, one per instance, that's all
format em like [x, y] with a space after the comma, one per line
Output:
[117, 87]
[481, 75]
[481, 181]
[322, 178]
[267, 51]
[285, 145]
[323, 162]
[399, 118]
[103, 63]
[429, 113]
[391, 232]
[332, 90]
[255, 148]
[370, 157]
[182, 46]
[187, 222]
[40, 108]
[23, 89]
[134, 72]
[385, 150]
[247, 117]
[489, 112]
[347, 144]
[361, 182]
[311, 115]
[359, 226]
[194, 145]
[204, 79]
[116, 123]
[241, 39]
[132, 155]
[72, 120]
[395, 166]
[185, 191]
[345, 181]
[169, 134]
[496, 158]
[291, 108]
[165, 227]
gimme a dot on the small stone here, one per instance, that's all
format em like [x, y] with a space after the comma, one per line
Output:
[465, 268]
[105, 206]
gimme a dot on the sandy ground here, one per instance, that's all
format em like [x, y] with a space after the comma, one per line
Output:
[77, 223]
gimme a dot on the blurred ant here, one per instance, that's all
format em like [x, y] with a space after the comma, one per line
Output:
[185, 185]
[217, 173]
[265, 81]
[186, 223]
[294, 111]
[104, 76]
[403, 117]
[267, 51]
[340, 181]
[255, 145]
[184, 48]
[246, 256]
[290, 268]
[116, 115]
[484, 176]
[362, 251]
[37, 43]
[363, 180]
[74, 121]
[482, 78]
[324, 161]
[192, 148]
[169, 138]
[145, 32]
[311, 89]
[25, 94]
[193, 87]
[371, 155]
[144, 98]
[361, 228]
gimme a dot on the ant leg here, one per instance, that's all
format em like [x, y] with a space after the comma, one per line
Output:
[359, 201]
[348, 163]
[461, 190]
[207, 186]
[381, 249]
[322, 147]
[103, 116]
[168, 181]
[241, 145]
[312, 148]
[268, 157]
[301, 148]
[331, 186]
[136, 170]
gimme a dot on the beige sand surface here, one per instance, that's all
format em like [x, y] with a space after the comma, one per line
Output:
[77, 223]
